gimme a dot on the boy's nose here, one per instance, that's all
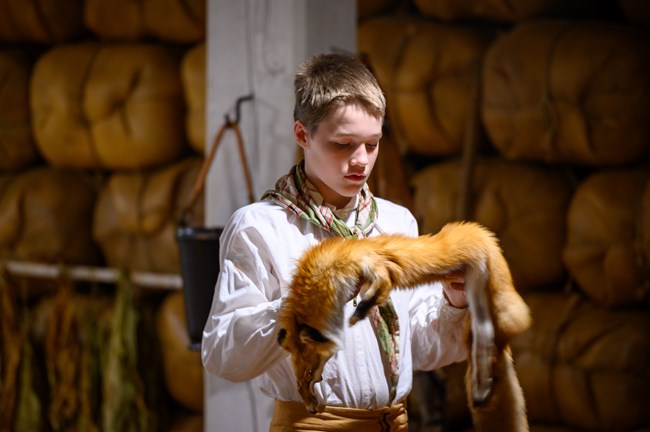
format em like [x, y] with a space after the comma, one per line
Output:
[360, 156]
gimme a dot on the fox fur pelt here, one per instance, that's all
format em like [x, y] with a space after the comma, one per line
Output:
[333, 272]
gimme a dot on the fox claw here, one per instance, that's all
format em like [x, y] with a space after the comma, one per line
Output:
[361, 311]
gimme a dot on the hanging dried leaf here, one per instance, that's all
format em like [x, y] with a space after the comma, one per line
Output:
[29, 408]
[123, 407]
[62, 352]
[10, 343]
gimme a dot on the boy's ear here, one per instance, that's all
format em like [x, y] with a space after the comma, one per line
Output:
[300, 133]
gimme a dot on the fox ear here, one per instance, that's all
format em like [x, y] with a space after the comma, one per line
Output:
[309, 334]
[282, 337]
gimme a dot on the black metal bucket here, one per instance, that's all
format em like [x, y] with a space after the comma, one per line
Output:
[199, 259]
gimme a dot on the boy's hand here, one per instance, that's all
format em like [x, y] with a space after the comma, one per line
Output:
[454, 290]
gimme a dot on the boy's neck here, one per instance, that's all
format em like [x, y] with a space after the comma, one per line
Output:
[350, 205]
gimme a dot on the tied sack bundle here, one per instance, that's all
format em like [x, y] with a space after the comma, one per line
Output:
[108, 106]
[46, 214]
[498, 10]
[389, 179]
[636, 11]
[562, 92]
[182, 367]
[524, 205]
[608, 237]
[17, 148]
[584, 365]
[369, 8]
[42, 21]
[428, 72]
[137, 213]
[178, 21]
[193, 72]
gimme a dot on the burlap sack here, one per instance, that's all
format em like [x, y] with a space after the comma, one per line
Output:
[108, 106]
[566, 92]
[182, 367]
[43, 21]
[180, 21]
[45, 215]
[369, 8]
[498, 10]
[427, 71]
[193, 72]
[137, 213]
[608, 237]
[187, 422]
[636, 11]
[17, 148]
[584, 365]
[389, 178]
[525, 205]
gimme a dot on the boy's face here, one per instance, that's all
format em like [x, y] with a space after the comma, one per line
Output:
[340, 154]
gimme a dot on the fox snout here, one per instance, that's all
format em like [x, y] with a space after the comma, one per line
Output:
[309, 350]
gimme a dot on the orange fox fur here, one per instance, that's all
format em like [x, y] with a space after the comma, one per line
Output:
[331, 273]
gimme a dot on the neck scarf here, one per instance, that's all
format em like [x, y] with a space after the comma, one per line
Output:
[295, 192]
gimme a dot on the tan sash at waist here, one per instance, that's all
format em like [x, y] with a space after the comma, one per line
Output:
[292, 416]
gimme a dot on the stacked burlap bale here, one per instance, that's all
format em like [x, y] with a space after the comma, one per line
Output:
[108, 106]
[187, 422]
[46, 214]
[17, 148]
[583, 365]
[569, 93]
[183, 368]
[389, 180]
[428, 71]
[44, 21]
[523, 204]
[116, 106]
[498, 10]
[136, 216]
[369, 8]
[193, 72]
[608, 237]
[636, 11]
[177, 21]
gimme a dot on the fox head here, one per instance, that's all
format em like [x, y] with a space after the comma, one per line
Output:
[309, 350]
[311, 319]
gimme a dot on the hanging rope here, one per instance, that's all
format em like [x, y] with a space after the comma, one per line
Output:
[200, 181]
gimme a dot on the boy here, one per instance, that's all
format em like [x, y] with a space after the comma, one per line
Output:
[338, 116]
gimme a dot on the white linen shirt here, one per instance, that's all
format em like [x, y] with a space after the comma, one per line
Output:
[258, 252]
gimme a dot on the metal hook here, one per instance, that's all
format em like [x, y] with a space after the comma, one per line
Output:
[237, 109]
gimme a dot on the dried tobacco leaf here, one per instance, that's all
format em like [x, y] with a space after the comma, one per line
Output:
[62, 352]
[29, 409]
[10, 343]
[123, 405]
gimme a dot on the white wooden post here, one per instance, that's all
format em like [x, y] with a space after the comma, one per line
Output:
[254, 47]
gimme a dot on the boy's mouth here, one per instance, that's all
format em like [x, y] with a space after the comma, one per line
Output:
[356, 177]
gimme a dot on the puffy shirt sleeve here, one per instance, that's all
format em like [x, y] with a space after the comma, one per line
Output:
[437, 329]
[240, 334]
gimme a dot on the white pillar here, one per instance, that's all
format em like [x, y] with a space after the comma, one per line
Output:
[254, 47]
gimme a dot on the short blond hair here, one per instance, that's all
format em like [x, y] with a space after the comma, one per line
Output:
[327, 81]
